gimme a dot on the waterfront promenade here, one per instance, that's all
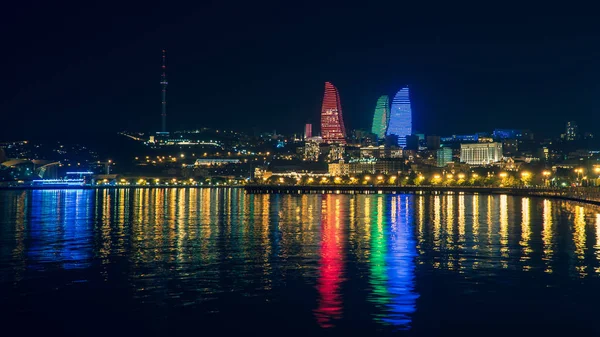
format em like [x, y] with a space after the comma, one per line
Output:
[584, 194]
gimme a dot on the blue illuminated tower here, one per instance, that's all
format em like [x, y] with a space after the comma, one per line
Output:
[401, 117]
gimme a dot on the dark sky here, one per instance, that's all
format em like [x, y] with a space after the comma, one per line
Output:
[73, 67]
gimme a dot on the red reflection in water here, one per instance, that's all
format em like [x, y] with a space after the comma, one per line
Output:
[331, 264]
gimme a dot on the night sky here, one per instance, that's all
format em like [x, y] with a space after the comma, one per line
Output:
[79, 67]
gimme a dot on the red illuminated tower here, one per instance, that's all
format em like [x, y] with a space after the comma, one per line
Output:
[332, 123]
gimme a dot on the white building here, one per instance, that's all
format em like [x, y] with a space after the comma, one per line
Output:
[480, 153]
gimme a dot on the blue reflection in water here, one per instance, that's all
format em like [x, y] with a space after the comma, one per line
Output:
[401, 264]
[60, 228]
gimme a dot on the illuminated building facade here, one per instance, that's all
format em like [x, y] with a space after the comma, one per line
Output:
[339, 169]
[381, 117]
[572, 131]
[307, 131]
[336, 152]
[312, 151]
[480, 153]
[401, 117]
[332, 122]
[444, 156]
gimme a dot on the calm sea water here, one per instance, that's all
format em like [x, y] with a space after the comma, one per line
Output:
[216, 261]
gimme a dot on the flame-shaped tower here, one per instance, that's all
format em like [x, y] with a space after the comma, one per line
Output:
[332, 122]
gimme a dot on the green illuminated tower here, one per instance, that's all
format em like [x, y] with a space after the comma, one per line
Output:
[381, 117]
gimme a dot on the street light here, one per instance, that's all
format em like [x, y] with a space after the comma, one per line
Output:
[579, 172]
[461, 176]
[503, 175]
[546, 175]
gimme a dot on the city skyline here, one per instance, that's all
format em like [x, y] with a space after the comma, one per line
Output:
[271, 74]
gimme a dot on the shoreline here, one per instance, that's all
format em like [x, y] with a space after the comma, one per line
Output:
[589, 195]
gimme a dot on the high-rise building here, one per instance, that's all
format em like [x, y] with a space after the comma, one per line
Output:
[433, 142]
[480, 153]
[401, 117]
[307, 131]
[381, 117]
[362, 138]
[332, 122]
[444, 156]
[572, 131]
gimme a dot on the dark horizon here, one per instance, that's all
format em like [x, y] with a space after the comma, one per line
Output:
[90, 69]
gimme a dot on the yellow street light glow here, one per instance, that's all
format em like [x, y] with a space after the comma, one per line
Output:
[546, 173]
[437, 176]
[367, 178]
[461, 176]
[525, 174]
[503, 175]
[475, 175]
[450, 176]
[379, 177]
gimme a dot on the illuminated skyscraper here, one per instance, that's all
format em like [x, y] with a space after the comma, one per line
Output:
[381, 117]
[571, 131]
[307, 131]
[332, 122]
[401, 117]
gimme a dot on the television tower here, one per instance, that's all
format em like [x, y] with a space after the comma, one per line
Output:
[163, 83]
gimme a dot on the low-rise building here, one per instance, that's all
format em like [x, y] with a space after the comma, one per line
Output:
[481, 153]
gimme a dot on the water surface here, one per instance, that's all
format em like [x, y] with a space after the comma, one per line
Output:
[214, 261]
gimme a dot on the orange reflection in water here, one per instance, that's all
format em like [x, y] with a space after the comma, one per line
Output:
[331, 264]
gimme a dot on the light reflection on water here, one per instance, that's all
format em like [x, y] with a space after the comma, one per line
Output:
[341, 258]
